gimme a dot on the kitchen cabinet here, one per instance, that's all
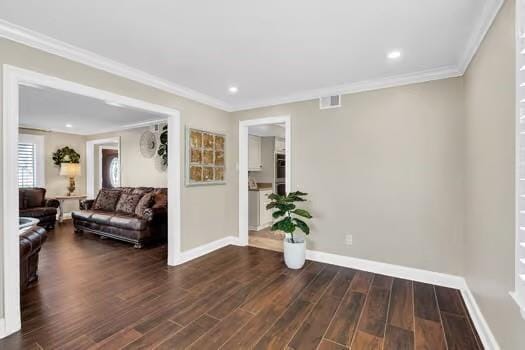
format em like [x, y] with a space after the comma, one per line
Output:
[258, 216]
[254, 153]
[280, 145]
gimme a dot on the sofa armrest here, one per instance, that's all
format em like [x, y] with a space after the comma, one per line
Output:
[155, 214]
[86, 204]
[53, 203]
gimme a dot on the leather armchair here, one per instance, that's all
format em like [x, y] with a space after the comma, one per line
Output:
[33, 204]
[31, 242]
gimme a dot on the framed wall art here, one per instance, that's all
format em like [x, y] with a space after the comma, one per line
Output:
[205, 161]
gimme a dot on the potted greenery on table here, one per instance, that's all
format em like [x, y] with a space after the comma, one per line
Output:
[292, 218]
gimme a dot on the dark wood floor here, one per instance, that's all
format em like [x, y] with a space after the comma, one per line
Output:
[103, 294]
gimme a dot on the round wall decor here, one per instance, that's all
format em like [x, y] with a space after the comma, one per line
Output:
[148, 144]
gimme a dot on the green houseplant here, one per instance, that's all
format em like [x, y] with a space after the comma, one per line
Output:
[65, 155]
[163, 147]
[290, 218]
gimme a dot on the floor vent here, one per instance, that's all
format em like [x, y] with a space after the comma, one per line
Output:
[327, 102]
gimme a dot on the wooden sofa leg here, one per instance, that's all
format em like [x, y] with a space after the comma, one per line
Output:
[79, 231]
[137, 246]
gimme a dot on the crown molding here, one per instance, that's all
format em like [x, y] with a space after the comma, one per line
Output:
[56, 47]
[490, 11]
[42, 42]
[367, 85]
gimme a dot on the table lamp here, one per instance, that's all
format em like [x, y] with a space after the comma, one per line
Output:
[70, 170]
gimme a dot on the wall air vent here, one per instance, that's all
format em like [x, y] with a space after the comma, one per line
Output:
[327, 102]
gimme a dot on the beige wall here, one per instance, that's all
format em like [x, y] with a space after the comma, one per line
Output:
[489, 227]
[135, 169]
[56, 184]
[386, 168]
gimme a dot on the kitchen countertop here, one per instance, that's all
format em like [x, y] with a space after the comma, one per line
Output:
[263, 187]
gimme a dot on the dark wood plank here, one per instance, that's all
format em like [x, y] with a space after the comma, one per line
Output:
[189, 334]
[344, 323]
[401, 312]
[429, 335]
[398, 339]
[425, 305]
[328, 345]
[222, 331]
[458, 333]
[282, 331]
[449, 300]
[361, 282]
[341, 282]
[365, 341]
[312, 330]
[119, 340]
[373, 319]
[155, 336]
[314, 291]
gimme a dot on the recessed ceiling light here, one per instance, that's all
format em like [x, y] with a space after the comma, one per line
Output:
[233, 90]
[394, 54]
[69, 126]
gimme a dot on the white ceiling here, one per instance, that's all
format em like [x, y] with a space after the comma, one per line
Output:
[274, 51]
[50, 109]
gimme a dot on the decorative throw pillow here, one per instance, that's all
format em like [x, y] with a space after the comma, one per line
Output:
[145, 202]
[161, 200]
[106, 200]
[127, 203]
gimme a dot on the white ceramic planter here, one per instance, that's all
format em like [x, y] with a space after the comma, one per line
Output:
[294, 253]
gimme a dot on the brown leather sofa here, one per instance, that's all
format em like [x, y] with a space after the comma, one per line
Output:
[32, 203]
[31, 242]
[116, 214]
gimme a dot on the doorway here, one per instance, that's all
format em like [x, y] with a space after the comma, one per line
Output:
[264, 168]
[13, 79]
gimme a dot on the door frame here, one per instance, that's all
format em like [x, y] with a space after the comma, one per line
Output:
[243, 165]
[13, 77]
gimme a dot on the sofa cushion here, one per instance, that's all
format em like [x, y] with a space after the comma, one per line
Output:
[145, 202]
[38, 212]
[34, 197]
[107, 200]
[82, 214]
[101, 217]
[127, 203]
[128, 222]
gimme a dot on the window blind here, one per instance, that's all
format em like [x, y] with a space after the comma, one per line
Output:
[26, 164]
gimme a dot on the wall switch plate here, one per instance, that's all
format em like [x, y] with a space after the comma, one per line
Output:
[348, 240]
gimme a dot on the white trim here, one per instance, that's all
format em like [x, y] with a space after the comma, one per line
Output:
[207, 248]
[56, 47]
[425, 276]
[40, 158]
[437, 278]
[42, 42]
[490, 11]
[12, 78]
[243, 165]
[361, 86]
[100, 131]
[91, 191]
[481, 325]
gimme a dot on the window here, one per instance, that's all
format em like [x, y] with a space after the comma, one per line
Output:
[114, 172]
[30, 161]
[26, 165]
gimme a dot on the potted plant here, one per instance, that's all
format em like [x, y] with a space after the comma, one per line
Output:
[291, 219]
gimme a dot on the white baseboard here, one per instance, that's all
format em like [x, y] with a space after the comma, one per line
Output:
[206, 249]
[437, 278]
[481, 325]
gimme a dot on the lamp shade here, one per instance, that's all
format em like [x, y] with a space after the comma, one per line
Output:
[70, 169]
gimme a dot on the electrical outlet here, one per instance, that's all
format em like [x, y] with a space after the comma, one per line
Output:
[348, 240]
